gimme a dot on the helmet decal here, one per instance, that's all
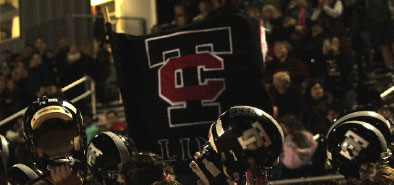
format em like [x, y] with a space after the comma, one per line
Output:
[352, 145]
[219, 128]
[255, 137]
[49, 112]
[92, 154]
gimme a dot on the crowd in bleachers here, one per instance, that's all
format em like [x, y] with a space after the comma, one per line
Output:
[37, 70]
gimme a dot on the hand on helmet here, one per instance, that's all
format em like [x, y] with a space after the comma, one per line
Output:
[62, 175]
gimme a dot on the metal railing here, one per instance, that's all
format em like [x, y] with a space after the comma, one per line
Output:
[326, 178]
[387, 92]
[90, 92]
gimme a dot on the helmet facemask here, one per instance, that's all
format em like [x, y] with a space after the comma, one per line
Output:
[55, 139]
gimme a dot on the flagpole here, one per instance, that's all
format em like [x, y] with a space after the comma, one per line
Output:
[107, 20]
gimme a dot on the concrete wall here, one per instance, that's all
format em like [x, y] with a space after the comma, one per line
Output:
[140, 9]
[52, 20]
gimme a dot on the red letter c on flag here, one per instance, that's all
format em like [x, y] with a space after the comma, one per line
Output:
[207, 90]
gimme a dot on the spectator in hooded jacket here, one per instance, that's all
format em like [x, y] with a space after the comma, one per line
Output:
[298, 148]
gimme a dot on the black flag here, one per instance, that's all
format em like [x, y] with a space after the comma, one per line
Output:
[176, 83]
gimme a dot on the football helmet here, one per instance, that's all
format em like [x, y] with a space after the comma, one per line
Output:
[353, 143]
[20, 174]
[4, 153]
[107, 152]
[381, 123]
[55, 134]
[207, 166]
[246, 138]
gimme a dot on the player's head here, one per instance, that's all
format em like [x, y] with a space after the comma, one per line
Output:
[145, 168]
[376, 174]
[55, 133]
[353, 143]
[246, 137]
[106, 156]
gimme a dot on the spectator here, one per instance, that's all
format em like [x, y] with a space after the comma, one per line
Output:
[46, 55]
[205, 8]
[381, 26]
[17, 142]
[100, 73]
[181, 14]
[12, 98]
[285, 62]
[114, 125]
[39, 76]
[272, 20]
[166, 182]
[300, 10]
[298, 148]
[311, 54]
[254, 11]
[155, 29]
[328, 14]
[354, 20]
[315, 107]
[339, 65]
[7, 57]
[28, 50]
[385, 112]
[179, 9]
[19, 73]
[292, 33]
[181, 20]
[285, 97]
[53, 91]
[91, 128]
[80, 64]
[59, 58]
[333, 113]
[5, 72]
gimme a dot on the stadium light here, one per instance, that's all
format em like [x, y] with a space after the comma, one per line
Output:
[98, 2]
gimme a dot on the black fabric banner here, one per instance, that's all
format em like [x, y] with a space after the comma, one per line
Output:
[175, 84]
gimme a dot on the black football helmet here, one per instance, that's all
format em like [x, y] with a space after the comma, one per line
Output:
[207, 166]
[107, 152]
[353, 143]
[55, 133]
[375, 119]
[246, 138]
[4, 154]
[20, 174]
